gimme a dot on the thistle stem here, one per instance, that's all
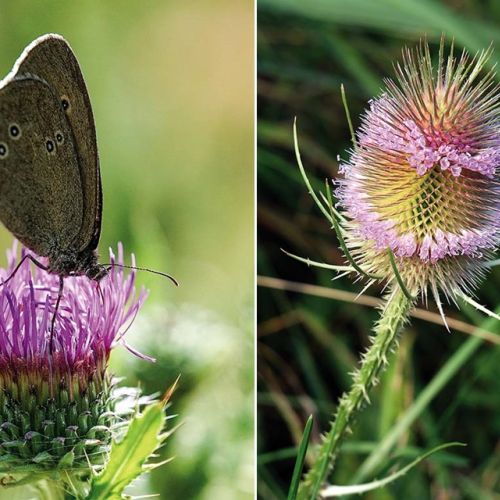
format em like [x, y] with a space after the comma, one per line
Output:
[394, 314]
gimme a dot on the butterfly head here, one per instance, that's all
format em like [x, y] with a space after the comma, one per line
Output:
[77, 264]
[89, 266]
[96, 272]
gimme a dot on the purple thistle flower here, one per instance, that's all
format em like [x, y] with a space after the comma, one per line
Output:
[52, 405]
[423, 179]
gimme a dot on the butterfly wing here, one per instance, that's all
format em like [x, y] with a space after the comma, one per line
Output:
[40, 187]
[50, 58]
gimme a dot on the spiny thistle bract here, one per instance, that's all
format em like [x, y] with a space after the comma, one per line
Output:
[57, 411]
[422, 179]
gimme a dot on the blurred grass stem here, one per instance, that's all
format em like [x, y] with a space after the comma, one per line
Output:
[370, 301]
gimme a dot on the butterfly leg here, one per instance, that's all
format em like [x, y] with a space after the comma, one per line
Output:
[21, 262]
[99, 291]
[53, 322]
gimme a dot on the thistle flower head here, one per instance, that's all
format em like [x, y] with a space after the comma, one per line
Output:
[423, 179]
[56, 409]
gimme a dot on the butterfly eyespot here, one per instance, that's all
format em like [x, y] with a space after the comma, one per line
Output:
[65, 103]
[15, 131]
[4, 151]
[59, 137]
[50, 146]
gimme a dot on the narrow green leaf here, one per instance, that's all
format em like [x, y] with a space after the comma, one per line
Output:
[478, 306]
[301, 456]
[348, 116]
[315, 263]
[399, 279]
[304, 175]
[338, 231]
[127, 457]
[337, 491]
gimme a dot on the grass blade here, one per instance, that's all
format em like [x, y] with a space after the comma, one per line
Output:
[336, 491]
[299, 463]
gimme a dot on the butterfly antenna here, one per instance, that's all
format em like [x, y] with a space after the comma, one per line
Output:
[152, 271]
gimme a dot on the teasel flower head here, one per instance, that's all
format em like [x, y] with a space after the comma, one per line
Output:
[57, 406]
[423, 178]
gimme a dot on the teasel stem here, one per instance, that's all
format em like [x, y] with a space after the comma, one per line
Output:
[394, 314]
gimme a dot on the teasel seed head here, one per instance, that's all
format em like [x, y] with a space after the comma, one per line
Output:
[423, 178]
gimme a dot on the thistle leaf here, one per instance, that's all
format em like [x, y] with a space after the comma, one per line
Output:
[127, 458]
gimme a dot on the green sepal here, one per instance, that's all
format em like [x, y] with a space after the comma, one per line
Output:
[67, 460]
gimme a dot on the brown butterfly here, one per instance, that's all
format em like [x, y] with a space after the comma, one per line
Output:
[50, 183]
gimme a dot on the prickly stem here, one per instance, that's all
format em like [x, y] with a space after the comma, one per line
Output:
[383, 341]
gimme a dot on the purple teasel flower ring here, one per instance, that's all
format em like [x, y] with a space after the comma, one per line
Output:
[423, 178]
[57, 410]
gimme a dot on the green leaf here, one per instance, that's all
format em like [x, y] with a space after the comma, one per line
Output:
[338, 231]
[310, 189]
[337, 491]
[128, 457]
[348, 116]
[301, 456]
[399, 279]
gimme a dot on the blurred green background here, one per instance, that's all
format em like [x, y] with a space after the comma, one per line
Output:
[171, 85]
[308, 345]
